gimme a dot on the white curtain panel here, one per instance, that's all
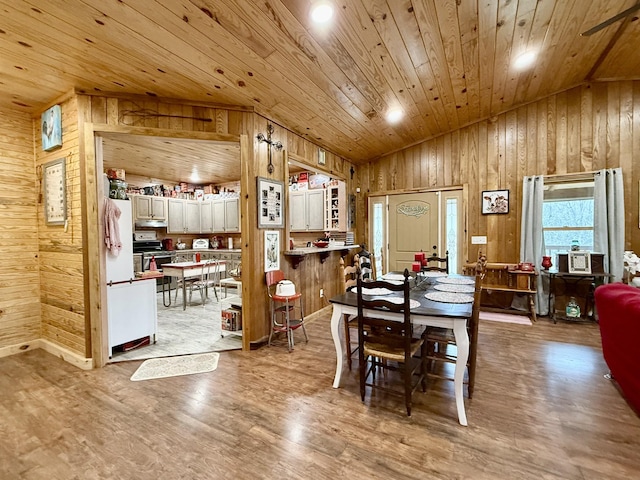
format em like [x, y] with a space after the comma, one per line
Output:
[531, 237]
[608, 220]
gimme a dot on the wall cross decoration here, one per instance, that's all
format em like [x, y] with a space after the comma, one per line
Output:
[277, 145]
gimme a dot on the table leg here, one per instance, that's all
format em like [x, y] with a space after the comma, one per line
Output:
[335, 333]
[462, 343]
[164, 301]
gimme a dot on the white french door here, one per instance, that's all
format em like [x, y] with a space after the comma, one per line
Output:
[400, 225]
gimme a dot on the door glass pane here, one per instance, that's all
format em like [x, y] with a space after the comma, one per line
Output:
[452, 233]
[378, 234]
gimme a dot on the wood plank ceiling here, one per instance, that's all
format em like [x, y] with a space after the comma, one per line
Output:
[445, 63]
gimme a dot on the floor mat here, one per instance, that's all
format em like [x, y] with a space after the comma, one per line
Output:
[175, 366]
[505, 318]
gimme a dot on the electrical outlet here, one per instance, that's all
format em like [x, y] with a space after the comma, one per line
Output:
[321, 292]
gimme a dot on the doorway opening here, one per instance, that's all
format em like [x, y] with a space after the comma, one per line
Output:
[164, 160]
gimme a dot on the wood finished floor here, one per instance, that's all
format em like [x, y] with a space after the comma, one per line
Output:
[541, 410]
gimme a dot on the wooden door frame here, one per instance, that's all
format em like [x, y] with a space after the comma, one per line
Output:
[385, 193]
[95, 293]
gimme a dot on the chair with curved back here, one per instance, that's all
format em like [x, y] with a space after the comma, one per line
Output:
[440, 341]
[388, 344]
[283, 309]
[180, 258]
[209, 278]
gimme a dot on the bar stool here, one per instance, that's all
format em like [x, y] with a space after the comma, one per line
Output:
[283, 308]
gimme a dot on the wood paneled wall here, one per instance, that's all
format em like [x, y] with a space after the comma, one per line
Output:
[60, 247]
[587, 128]
[64, 263]
[19, 282]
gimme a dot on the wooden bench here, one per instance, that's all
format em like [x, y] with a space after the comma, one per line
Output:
[505, 277]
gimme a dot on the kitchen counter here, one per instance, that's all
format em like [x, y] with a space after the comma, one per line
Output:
[209, 250]
[298, 254]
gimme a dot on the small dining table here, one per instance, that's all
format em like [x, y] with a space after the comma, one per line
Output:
[184, 271]
[428, 313]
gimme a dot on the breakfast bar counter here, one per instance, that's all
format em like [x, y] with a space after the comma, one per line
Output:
[296, 255]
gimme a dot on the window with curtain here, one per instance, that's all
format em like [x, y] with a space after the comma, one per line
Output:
[567, 216]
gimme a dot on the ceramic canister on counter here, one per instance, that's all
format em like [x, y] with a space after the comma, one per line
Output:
[230, 243]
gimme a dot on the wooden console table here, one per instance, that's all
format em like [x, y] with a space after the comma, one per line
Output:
[570, 282]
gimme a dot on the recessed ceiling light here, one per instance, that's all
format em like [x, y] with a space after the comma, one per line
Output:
[321, 11]
[524, 60]
[394, 115]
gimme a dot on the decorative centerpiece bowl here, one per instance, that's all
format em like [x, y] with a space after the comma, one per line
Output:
[321, 244]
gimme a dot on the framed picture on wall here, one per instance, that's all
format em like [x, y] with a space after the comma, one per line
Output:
[271, 250]
[270, 203]
[54, 186]
[495, 201]
[51, 123]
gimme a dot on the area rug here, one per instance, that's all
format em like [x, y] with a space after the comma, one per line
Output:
[505, 318]
[175, 366]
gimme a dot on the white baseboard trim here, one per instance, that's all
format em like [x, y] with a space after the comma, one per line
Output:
[50, 347]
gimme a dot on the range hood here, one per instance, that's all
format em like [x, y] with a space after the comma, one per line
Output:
[151, 223]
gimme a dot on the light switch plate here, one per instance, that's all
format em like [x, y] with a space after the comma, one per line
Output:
[478, 239]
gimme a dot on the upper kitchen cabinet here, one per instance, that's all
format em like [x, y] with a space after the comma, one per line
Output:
[307, 211]
[149, 207]
[184, 216]
[336, 207]
[226, 215]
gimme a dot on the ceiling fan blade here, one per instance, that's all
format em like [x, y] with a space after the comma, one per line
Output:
[611, 20]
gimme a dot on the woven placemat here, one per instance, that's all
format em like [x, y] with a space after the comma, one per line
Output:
[432, 274]
[457, 281]
[451, 287]
[449, 297]
[394, 276]
[398, 300]
[375, 291]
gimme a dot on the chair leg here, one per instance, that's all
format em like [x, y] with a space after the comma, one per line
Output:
[362, 373]
[304, 329]
[423, 366]
[273, 319]
[407, 387]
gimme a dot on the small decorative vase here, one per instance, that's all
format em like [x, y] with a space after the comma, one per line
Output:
[546, 262]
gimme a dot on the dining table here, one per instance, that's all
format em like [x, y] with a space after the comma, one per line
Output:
[427, 313]
[185, 271]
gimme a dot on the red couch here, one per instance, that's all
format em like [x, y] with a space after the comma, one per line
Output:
[618, 307]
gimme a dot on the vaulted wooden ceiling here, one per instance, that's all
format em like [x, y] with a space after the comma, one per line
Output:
[446, 63]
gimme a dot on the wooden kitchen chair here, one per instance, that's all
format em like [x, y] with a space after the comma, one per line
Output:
[436, 263]
[440, 342]
[389, 344]
[348, 276]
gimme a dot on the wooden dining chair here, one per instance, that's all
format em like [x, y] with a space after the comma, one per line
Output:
[388, 344]
[348, 276]
[436, 263]
[441, 345]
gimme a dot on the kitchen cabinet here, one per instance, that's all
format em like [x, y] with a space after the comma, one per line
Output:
[183, 216]
[206, 217]
[336, 208]
[307, 211]
[226, 215]
[148, 207]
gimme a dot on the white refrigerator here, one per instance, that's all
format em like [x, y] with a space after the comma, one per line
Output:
[131, 302]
